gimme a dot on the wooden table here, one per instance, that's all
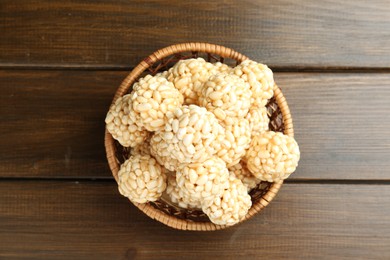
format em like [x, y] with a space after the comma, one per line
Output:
[61, 61]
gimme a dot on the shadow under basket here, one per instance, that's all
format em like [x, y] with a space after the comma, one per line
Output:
[163, 210]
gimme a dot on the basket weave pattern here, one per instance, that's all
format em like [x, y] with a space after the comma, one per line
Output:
[163, 210]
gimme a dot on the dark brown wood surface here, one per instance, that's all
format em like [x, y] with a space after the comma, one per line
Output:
[61, 62]
[281, 33]
[89, 220]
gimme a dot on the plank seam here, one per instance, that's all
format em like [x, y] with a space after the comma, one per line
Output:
[288, 181]
[291, 69]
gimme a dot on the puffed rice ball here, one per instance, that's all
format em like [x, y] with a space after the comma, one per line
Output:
[202, 180]
[258, 120]
[236, 142]
[189, 75]
[220, 67]
[179, 197]
[142, 148]
[231, 206]
[162, 151]
[163, 74]
[242, 173]
[153, 99]
[260, 79]
[121, 123]
[272, 156]
[226, 96]
[141, 179]
[192, 134]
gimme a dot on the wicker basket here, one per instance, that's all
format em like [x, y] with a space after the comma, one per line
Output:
[163, 210]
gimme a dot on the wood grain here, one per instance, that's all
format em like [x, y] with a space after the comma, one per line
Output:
[85, 220]
[341, 123]
[53, 123]
[281, 33]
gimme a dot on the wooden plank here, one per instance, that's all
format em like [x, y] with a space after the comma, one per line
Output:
[52, 123]
[282, 33]
[62, 220]
[341, 122]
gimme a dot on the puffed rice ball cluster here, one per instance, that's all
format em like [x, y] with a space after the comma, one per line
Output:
[272, 156]
[231, 206]
[121, 123]
[203, 180]
[227, 96]
[200, 138]
[237, 140]
[141, 179]
[189, 75]
[191, 134]
[260, 79]
[240, 170]
[153, 100]
[179, 196]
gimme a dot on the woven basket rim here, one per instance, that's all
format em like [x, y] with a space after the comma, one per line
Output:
[147, 208]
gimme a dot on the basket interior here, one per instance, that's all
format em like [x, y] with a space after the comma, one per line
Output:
[164, 204]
